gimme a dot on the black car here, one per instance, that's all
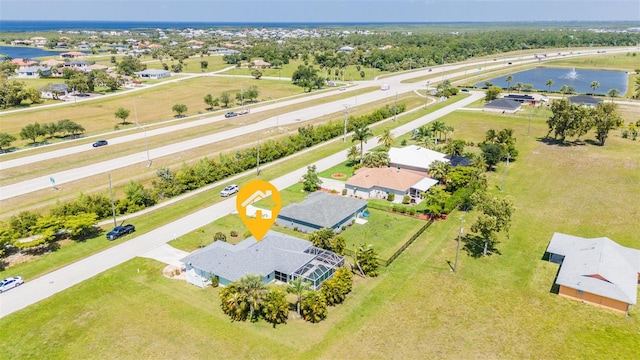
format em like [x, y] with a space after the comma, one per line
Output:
[100, 143]
[119, 231]
[230, 114]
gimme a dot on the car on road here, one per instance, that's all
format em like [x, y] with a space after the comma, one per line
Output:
[100, 143]
[342, 88]
[229, 190]
[243, 112]
[465, 90]
[230, 114]
[119, 231]
[10, 283]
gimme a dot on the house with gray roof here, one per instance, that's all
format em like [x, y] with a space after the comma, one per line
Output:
[502, 105]
[33, 71]
[597, 271]
[585, 100]
[321, 210]
[277, 257]
[153, 74]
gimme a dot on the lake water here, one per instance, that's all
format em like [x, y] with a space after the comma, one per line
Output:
[538, 77]
[16, 52]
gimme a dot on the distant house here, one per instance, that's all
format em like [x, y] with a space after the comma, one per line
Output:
[39, 41]
[502, 106]
[24, 62]
[153, 74]
[33, 71]
[259, 63]
[380, 182]
[321, 210]
[73, 55]
[54, 91]
[596, 271]
[523, 98]
[50, 63]
[346, 49]
[584, 100]
[414, 157]
[277, 257]
[78, 64]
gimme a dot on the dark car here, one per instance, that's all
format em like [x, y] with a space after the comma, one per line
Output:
[100, 143]
[119, 231]
[230, 114]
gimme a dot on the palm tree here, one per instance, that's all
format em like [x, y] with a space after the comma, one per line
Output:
[439, 170]
[518, 86]
[479, 162]
[385, 138]
[508, 79]
[613, 93]
[447, 129]
[298, 286]
[362, 134]
[252, 286]
[564, 89]
[439, 127]
[637, 96]
[549, 84]
[352, 154]
[594, 85]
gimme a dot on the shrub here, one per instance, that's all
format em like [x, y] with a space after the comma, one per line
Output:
[391, 196]
[412, 211]
[313, 306]
[406, 199]
[344, 191]
[215, 281]
[233, 233]
[219, 236]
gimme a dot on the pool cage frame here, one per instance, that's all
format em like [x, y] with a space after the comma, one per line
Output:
[320, 268]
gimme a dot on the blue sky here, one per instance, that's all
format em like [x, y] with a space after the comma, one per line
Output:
[322, 10]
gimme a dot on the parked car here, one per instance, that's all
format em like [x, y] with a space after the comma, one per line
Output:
[10, 283]
[230, 114]
[465, 90]
[229, 190]
[100, 143]
[119, 231]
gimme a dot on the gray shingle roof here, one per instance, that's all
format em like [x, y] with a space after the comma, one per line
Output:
[588, 261]
[503, 104]
[322, 209]
[276, 251]
[584, 99]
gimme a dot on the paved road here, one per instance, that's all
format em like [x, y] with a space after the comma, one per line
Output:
[59, 280]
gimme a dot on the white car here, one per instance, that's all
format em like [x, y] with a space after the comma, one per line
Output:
[10, 283]
[229, 190]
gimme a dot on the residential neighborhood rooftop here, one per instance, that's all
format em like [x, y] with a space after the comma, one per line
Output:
[385, 177]
[322, 209]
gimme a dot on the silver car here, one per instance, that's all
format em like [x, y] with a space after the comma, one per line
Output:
[229, 190]
[10, 283]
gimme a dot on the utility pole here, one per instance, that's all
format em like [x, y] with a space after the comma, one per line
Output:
[144, 129]
[530, 114]
[113, 206]
[455, 263]
[346, 116]
[504, 173]
[395, 108]
[258, 156]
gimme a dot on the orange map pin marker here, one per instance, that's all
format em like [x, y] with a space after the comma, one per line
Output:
[258, 220]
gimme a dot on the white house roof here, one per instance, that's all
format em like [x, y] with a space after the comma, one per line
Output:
[424, 184]
[598, 266]
[276, 251]
[415, 156]
[150, 72]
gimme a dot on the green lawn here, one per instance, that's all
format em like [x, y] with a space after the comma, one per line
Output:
[342, 168]
[498, 307]
[386, 231]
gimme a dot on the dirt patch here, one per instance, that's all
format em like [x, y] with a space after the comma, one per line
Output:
[174, 273]
[338, 176]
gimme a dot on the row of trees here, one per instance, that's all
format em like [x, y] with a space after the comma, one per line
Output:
[574, 120]
[250, 299]
[249, 95]
[34, 131]
[14, 92]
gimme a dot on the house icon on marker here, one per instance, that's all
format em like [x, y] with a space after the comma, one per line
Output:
[257, 196]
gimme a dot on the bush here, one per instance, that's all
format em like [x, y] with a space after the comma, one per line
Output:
[215, 281]
[233, 233]
[391, 196]
[313, 306]
[344, 191]
[219, 236]
[406, 199]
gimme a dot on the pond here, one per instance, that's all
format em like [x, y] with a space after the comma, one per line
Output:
[24, 52]
[580, 79]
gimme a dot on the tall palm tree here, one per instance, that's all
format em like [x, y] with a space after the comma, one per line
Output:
[438, 127]
[564, 89]
[252, 286]
[352, 154]
[508, 79]
[549, 84]
[362, 134]
[594, 85]
[298, 286]
[613, 93]
[637, 95]
[518, 86]
[447, 129]
[385, 138]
